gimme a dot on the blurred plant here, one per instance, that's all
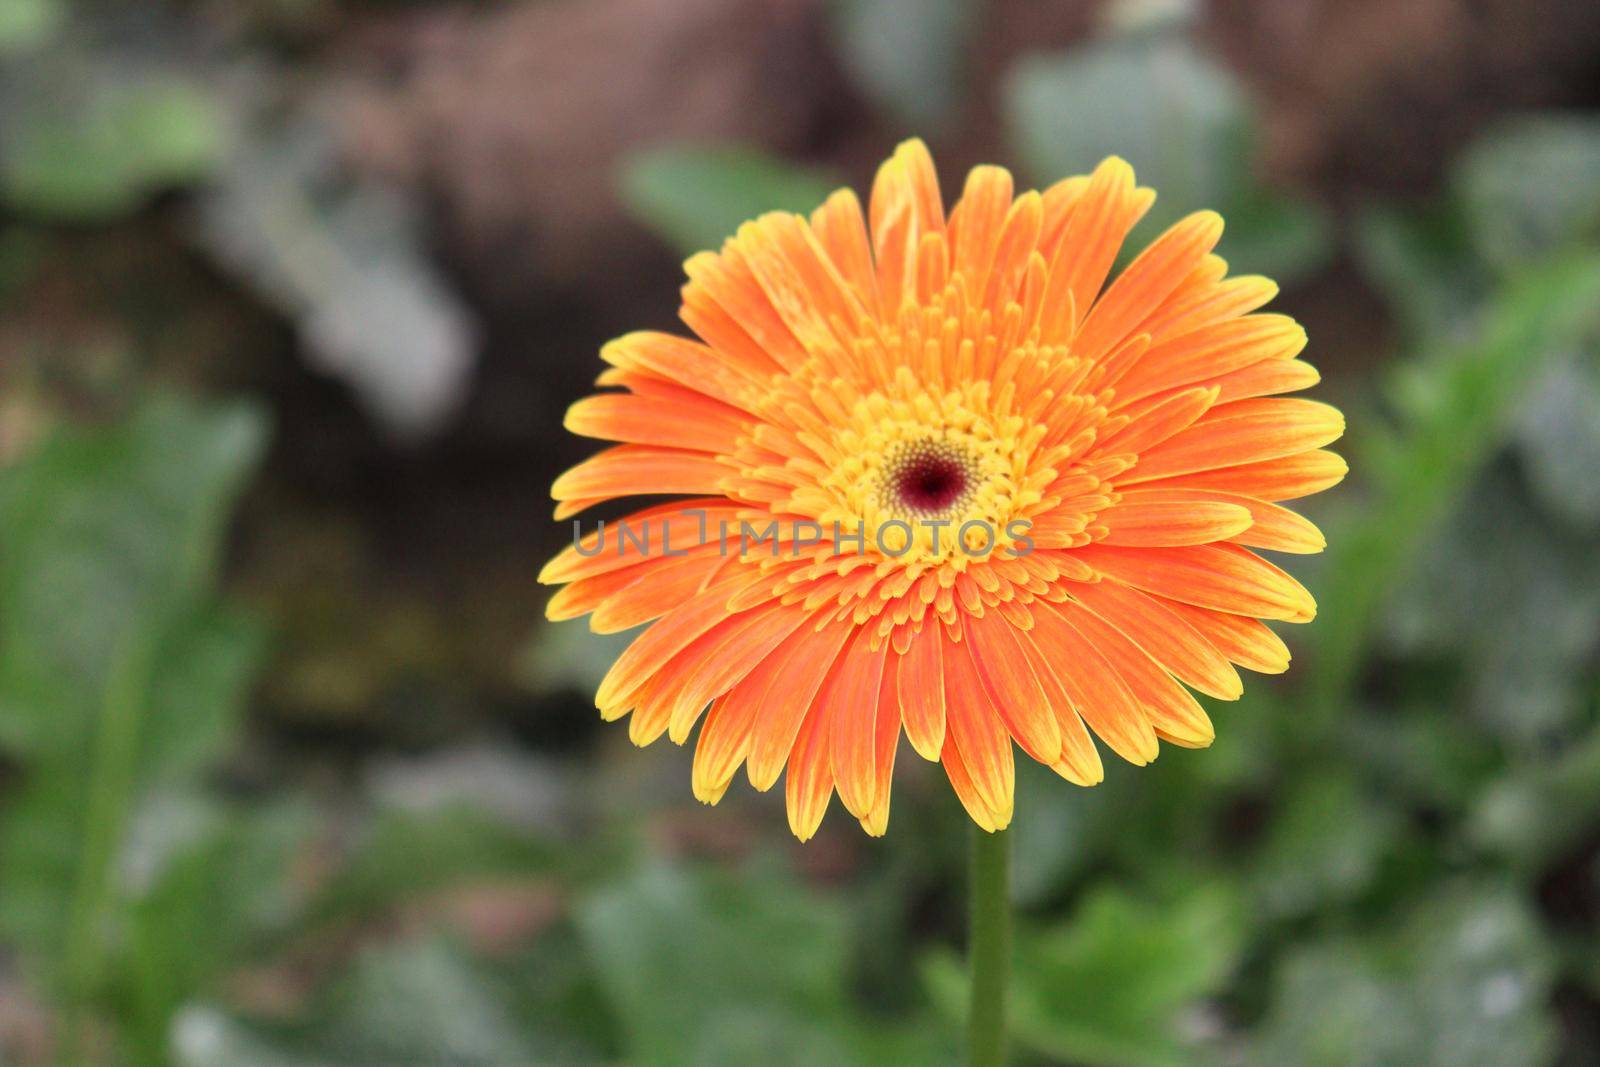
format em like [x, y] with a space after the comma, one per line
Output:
[343, 259]
[908, 56]
[1109, 987]
[1146, 91]
[1462, 982]
[657, 966]
[106, 108]
[121, 680]
[90, 135]
[94, 128]
[696, 197]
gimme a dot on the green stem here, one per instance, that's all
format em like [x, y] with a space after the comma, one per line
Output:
[111, 775]
[989, 947]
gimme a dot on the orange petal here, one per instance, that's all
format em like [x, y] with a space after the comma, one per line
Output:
[1266, 378]
[851, 697]
[1201, 355]
[842, 231]
[713, 371]
[1271, 527]
[808, 785]
[961, 782]
[1019, 236]
[1155, 523]
[1094, 233]
[1158, 422]
[908, 177]
[1080, 760]
[638, 470]
[1286, 478]
[1224, 577]
[1173, 713]
[1247, 642]
[689, 420]
[589, 593]
[666, 637]
[1096, 690]
[793, 674]
[727, 282]
[1205, 300]
[1148, 280]
[1277, 529]
[655, 533]
[903, 207]
[976, 221]
[1165, 635]
[737, 651]
[804, 287]
[1246, 431]
[886, 741]
[979, 733]
[649, 719]
[1059, 202]
[921, 692]
[652, 589]
[586, 594]
[724, 743]
[993, 644]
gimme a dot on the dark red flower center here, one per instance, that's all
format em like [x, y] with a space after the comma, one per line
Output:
[930, 479]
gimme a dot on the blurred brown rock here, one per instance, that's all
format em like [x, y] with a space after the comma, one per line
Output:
[515, 119]
[1379, 94]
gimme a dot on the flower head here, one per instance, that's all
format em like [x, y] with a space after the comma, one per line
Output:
[946, 481]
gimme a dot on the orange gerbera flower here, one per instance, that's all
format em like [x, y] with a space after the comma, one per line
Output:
[946, 481]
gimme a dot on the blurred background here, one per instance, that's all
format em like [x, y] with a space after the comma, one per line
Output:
[293, 295]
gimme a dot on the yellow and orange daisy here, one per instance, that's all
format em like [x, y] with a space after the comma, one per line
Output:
[946, 481]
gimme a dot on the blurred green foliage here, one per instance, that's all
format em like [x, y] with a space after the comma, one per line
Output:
[696, 197]
[95, 151]
[908, 55]
[1150, 94]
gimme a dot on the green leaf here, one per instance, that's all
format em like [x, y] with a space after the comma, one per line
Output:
[1170, 111]
[1465, 982]
[1523, 662]
[423, 1001]
[675, 953]
[1559, 435]
[1531, 188]
[1107, 987]
[906, 54]
[1184, 124]
[721, 971]
[211, 903]
[28, 23]
[98, 149]
[118, 672]
[427, 1002]
[1324, 846]
[1283, 237]
[404, 855]
[1420, 259]
[1456, 408]
[1512, 819]
[694, 198]
[344, 259]
[108, 536]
